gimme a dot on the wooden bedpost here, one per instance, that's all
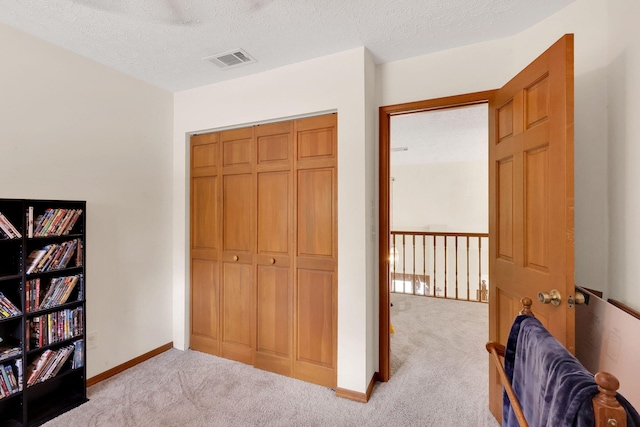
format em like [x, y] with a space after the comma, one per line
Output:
[607, 410]
[526, 306]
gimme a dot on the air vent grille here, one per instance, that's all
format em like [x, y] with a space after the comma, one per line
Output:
[231, 59]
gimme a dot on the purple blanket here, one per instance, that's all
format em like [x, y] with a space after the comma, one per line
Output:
[553, 387]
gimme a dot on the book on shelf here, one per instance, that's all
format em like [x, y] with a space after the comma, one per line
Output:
[32, 301]
[54, 327]
[4, 384]
[59, 291]
[34, 370]
[48, 364]
[7, 308]
[53, 257]
[55, 222]
[19, 369]
[7, 229]
[11, 377]
[29, 222]
[34, 258]
[8, 351]
[78, 354]
[8, 381]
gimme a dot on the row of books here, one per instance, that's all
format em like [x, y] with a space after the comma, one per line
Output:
[54, 327]
[57, 293]
[54, 256]
[53, 222]
[51, 362]
[8, 351]
[7, 308]
[9, 382]
[7, 230]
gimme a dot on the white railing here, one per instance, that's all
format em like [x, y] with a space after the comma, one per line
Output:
[443, 265]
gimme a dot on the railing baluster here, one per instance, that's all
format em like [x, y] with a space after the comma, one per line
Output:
[404, 264]
[413, 279]
[435, 260]
[468, 290]
[480, 268]
[456, 237]
[445, 266]
[393, 254]
[424, 264]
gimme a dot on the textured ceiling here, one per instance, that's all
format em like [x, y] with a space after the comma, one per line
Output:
[441, 136]
[163, 41]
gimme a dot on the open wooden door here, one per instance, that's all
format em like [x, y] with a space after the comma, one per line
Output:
[531, 228]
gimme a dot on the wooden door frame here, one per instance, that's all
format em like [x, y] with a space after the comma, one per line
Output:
[384, 230]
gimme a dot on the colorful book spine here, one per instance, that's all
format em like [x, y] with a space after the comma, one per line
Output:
[7, 227]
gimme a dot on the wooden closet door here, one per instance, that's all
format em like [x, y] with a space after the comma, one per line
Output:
[315, 293]
[274, 158]
[205, 243]
[238, 243]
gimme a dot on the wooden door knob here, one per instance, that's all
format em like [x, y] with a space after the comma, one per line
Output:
[272, 261]
[235, 257]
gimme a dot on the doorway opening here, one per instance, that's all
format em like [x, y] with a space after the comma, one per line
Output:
[432, 243]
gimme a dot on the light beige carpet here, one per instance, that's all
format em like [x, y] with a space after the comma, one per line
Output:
[439, 378]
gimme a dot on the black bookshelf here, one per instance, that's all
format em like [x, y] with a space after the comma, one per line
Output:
[29, 332]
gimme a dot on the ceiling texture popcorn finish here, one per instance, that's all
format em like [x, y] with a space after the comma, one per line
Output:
[163, 42]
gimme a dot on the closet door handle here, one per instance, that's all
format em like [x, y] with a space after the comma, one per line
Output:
[235, 257]
[272, 261]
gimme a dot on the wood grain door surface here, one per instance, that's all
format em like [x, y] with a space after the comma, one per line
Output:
[205, 243]
[264, 246]
[316, 291]
[238, 243]
[531, 228]
[274, 258]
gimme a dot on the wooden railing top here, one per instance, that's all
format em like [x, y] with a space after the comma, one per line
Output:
[440, 233]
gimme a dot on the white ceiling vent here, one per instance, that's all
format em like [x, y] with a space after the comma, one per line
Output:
[231, 59]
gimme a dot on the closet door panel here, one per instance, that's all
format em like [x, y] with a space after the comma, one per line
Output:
[204, 217]
[316, 327]
[273, 145]
[237, 308]
[237, 147]
[238, 245]
[315, 317]
[238, 212]
[273, 212]
[315, 212]
[316, 138]
[274, 311]
[204, 301]
[274, 319]
[273, 148]
[205, 154]
[205, 244]
[315, 291]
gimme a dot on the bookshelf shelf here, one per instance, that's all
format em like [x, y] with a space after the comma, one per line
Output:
[48, 237]
[10, 358]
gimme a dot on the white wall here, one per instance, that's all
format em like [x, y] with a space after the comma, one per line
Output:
[489, 65]
[441, 197]
[371, 191]
[624, 150]
[340, 83]
[74, 129]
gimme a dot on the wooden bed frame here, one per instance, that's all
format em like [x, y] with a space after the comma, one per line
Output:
[607, 411]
